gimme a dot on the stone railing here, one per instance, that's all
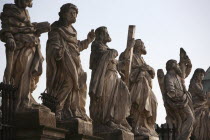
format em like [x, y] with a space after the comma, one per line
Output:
[7, 129]
[165, 132]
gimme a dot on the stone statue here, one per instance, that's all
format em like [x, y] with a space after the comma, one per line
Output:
[66, 79]
[200, 99]
[23, 53]
[177, 100]
[109, 95]
[144, 103]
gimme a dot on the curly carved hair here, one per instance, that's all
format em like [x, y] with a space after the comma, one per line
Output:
[65, 8]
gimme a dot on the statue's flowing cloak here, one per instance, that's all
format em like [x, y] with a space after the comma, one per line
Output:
[114, 97]
[202, 121]
[142, 94]
[179, 109]
[66, 75]
[27, 59]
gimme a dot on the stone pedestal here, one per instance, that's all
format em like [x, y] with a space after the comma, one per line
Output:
[116, 135]
[145, 138]
[37, 125]
[78, 130]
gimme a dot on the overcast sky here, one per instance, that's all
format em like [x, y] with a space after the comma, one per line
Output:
[163, 25]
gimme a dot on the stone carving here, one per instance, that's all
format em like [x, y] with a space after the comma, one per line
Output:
[206, 84]
[23, 54]
[206, 81]
[200, 99]
[177, 100]
[144, 103]
[109, 95]
[66, 79]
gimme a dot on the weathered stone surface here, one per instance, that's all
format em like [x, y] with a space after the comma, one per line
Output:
[206, 81]
[78, 130]
[82, 137]
[23, 52]
[177, 100]
[40, 133]
[66, 79]
[35, 118]
[77, 127]
[116, 135]
[37, 125]
[144, 103]
[201, 127]
[109, 96]
[128, 64]
[145, 138]
[143, 113]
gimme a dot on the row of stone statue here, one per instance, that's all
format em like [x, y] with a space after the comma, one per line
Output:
[113, 101]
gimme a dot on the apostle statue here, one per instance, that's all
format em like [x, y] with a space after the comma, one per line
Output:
[23, 52]
[200, 99]
[66, 80]
[144, 103]
[177, 100]
[109, 95]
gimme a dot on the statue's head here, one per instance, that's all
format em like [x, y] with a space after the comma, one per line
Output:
[139, 47]
[172, 65]
[102, 35]
[24, 3]
[68, 14]
[198, 74]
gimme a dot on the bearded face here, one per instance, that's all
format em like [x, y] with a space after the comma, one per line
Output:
[143, 49]
[177, 69]
[70, 16]
[106, 37]
[140, 48]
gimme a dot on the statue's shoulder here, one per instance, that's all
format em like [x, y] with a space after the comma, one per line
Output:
[10, 7]
[96, 45]
[54, 28]
[11, 10]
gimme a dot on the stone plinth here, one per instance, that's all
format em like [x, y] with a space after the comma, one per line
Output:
[40, 133]
[116, 135]
[145, 138]
[35, 118]
[78, 130]
[37, 125]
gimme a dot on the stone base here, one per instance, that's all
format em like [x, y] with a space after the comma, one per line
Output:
[77, 129]
[35, 118]
[41, 133]
[37, 125]
[145, 138]
[116, 135]
[82, 137]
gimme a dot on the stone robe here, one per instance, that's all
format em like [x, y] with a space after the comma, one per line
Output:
[179, 108]
[110, 97]
[27, 58]
[144, 103]
[66, 79]
[202, 113]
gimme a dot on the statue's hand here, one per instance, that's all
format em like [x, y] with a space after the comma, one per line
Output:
[11, 44]
[91, 36]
